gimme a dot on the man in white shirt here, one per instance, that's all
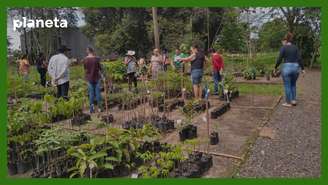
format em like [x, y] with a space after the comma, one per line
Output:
[58, 70]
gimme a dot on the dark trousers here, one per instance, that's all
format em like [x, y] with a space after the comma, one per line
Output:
[132, 79]
[165, 67]
[43, 72]
[62, 90]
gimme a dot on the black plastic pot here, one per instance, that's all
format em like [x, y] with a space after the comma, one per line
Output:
[220, 110]
[108, 118]
[188, 132]
[134, 123]
[162, 123]
[206, 162]
[214, 138]
[171, 105]
[37, 96]
[191, 170]
[80, 119]
[195, 166]
[58, 118]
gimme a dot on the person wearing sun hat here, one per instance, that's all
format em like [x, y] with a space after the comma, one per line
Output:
[131, 63]
[58, 70]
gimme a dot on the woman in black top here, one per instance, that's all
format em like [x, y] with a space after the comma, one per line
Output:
[292, 63]
[197, 59]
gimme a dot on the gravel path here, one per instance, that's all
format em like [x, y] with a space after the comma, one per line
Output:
[295, 150]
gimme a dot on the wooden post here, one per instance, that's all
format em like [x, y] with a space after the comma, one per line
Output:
[156, 29]
[106, 103]
[207, 120]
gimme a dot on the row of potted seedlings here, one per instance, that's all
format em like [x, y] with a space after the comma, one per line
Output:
[195, 166]
[162, 123]
[218, 111]
[171, 105]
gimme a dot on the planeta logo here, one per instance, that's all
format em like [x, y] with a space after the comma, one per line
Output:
[39, 23]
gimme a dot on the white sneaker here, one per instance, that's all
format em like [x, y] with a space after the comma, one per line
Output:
[294, 103]
[287, 105]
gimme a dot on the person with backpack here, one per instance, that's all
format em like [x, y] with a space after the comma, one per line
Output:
[131, 62]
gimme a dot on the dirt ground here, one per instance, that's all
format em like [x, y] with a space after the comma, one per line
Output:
[295, 150]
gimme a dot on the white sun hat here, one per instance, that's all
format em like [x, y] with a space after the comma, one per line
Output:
[130, 53]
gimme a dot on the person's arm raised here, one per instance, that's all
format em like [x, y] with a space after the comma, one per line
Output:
[188, 59]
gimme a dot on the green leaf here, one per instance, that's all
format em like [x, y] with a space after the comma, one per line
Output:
[82, 168]
[98, 155]
[112, 159]
[108, 166]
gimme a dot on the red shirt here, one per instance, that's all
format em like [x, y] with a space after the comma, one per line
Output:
[217, 62]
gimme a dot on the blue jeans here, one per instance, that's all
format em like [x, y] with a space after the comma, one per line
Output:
[196, 76]
[216, 78]
[94, 91]
[289, 73]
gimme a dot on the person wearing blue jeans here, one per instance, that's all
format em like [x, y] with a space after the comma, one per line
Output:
[290, 68]
[289, 73]
[94, 92]
[92, 69]
[216, 79]
[197, 60]
[217, 67]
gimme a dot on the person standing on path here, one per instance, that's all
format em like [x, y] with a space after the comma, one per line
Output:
[41, 66]
[217, 67]
[131, 62]
[290, 57]
[92, 74]
[58, 70]
[24, 67]
[197, 59]
[156, 62]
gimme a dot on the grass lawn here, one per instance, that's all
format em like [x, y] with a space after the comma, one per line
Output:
[256, 89]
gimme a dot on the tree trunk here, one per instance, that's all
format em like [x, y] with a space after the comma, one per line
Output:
[156, 29]
[24, 32]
